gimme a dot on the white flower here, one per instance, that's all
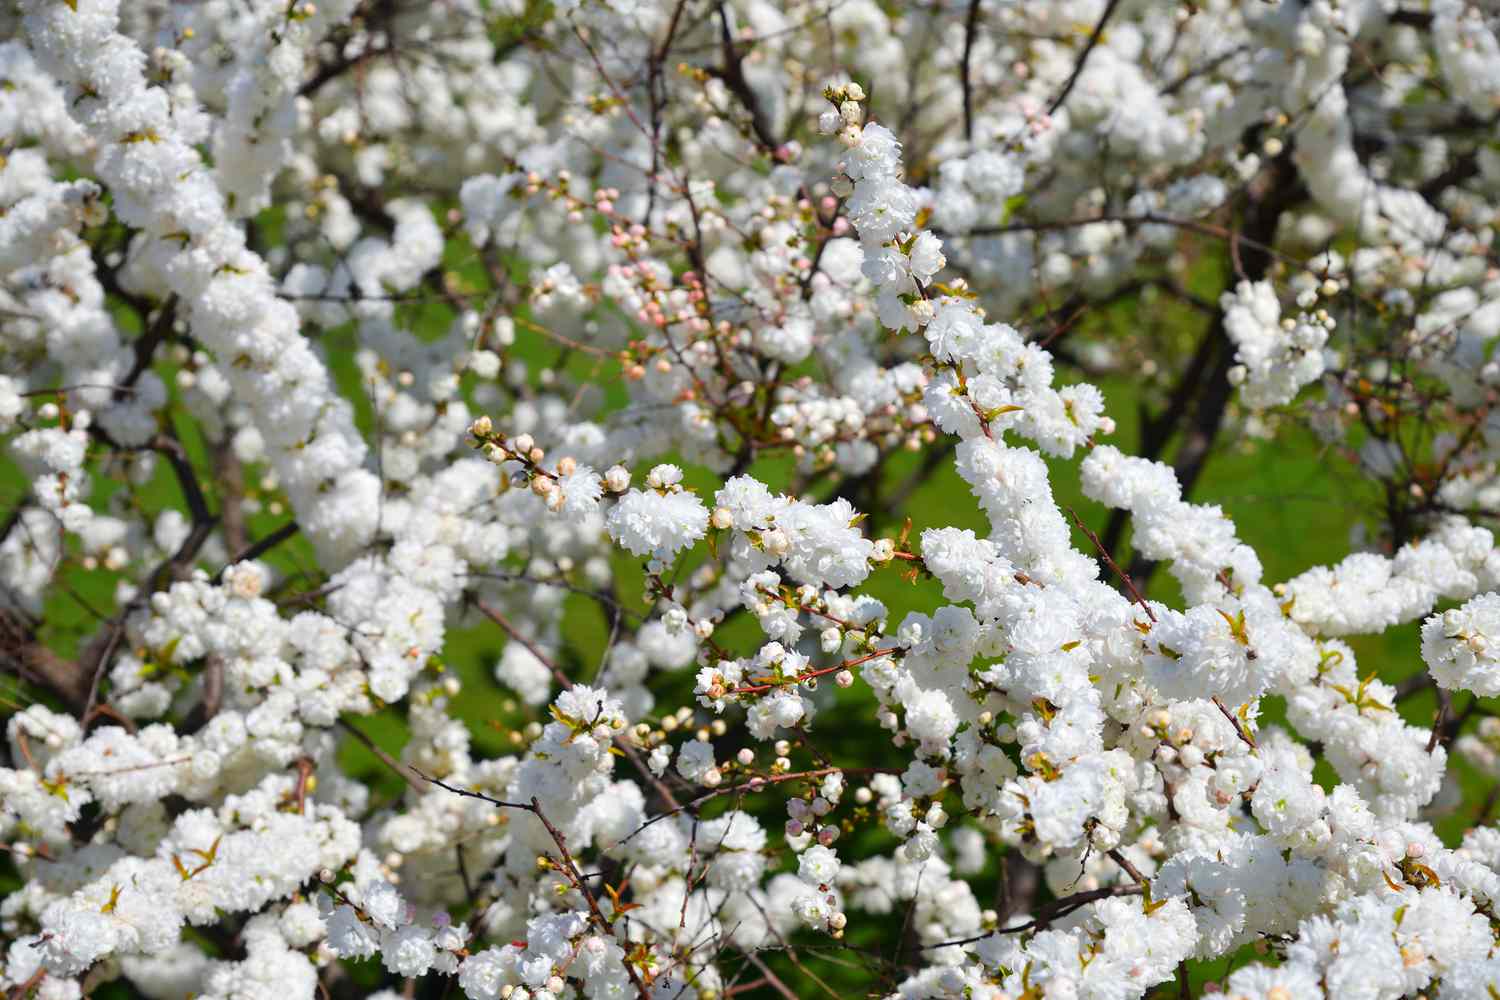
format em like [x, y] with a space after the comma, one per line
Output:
[695, 759]
[1462, 646]
[818, 866]
[580, 491]
[655, 524]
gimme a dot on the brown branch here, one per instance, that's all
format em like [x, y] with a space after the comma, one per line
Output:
[94, 660]
[971, 25]
[24, 990]
[1240, 729]
[168, 446]
[1445, 705]
[770, 977]
[395, 765]
[733, 75]
[39, 665]
[1127, 866]
[1083, 57]
[229, 481]
[1054, 910]
[495, 616]
[1255, 256]
[212, 698]
[1109, 561]
[146, 344]
[260, 548]
[107, 711]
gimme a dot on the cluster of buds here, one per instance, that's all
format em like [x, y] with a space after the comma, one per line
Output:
[805, 814]
[523, 448]
[600, 200]
[603, 202]
[660, 304]
[528, 472]
[846, 116]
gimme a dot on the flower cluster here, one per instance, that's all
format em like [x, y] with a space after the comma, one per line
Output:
[554, 500]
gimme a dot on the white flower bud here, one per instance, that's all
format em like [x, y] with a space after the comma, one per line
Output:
[617, 479]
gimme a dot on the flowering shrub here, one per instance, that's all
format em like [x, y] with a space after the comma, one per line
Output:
[348, 343]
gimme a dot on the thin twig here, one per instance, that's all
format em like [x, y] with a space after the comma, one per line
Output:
[1109, 561]
[1083, 57]
[1240, 730]
[1127, 866]
[1052, 911]
[386, 758]
[260, 547]
[499, 619]
[971, 25]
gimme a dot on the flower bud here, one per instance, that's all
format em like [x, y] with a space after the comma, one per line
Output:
[617, 479]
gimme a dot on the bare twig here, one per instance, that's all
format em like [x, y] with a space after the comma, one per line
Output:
[771, 978]
[1240, 729]
[1109, 561]
[1083, 57]
[971, 25]
[385, 758]
[499, 619]
[260, 547]
[213, 695]
[1127, 866]
[1445, 705]
[1054, 910]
